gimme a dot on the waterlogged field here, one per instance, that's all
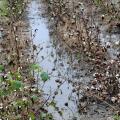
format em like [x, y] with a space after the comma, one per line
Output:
[59, 60]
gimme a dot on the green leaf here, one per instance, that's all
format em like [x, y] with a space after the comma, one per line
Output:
[4, 8]
[44, 76]
[97, 2]
[32, 116]
[16, 75]
[3, 92]
[34, 97]
[116, 117]
[16, 85]
[1, 79]
[35, 67]
[1, 68]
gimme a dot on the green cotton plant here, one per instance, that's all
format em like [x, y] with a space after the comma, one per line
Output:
[4, 8]
[35, 67]
[18, 6]
[34, 98]
[116, 117]
[15, 85]
[44, 75]
[12, 80]
[16, 75]
[13, 7]
[32, 116]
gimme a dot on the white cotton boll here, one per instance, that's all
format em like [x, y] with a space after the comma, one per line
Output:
[24, 99]
[103, 16]
[117, 43]
[112, 61]
[113, 99]
[1, 105]
[108, 44]
[110, 118]
[119, 95]
[84, 43]
[119, 80]
[93, 88]
[117, 75]
[107, 73]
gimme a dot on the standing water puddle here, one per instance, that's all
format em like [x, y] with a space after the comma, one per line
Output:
[54, 65]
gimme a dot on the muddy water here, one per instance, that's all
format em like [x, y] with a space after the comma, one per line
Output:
[56, 66]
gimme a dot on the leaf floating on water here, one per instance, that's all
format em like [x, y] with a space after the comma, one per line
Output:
[35, 67]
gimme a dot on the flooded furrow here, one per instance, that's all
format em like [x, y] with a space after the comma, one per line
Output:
[72, 75]
[56, 67]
